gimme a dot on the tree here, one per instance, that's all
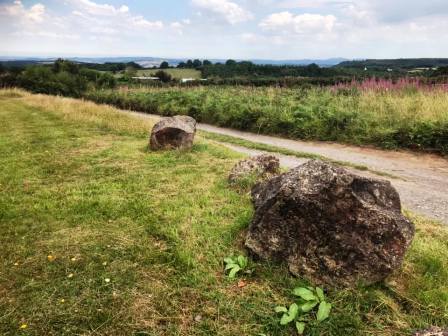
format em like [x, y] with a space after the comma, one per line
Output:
[130, 72]
[206, 62]
[313, 69]
[106, 80]
[43, 79]
[442, 71]
[230, 62]
[61, 65]
[182, 65]
[164, 65]
[197, 63]
[163, 76]
[190, 64]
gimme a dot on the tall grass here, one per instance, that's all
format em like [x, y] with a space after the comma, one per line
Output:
[382, 84]
[416, 119]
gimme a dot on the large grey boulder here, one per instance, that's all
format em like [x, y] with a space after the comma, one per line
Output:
[260, 167]
[329, 225]
[173, 132]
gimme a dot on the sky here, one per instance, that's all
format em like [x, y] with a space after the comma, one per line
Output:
[241, 29]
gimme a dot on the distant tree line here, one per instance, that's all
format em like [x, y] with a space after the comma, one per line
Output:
[60, 78]
[112, 67]
[405, 63]
[195, 64]
[246, 69]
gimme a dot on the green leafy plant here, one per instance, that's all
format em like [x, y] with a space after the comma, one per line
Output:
[304, 309]
[236, 265]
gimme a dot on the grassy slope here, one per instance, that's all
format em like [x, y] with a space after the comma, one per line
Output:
[78, 184]
[175, 73]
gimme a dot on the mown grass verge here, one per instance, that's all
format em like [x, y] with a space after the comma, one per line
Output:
[98, 236]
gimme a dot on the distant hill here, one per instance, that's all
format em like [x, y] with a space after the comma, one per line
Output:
[149, 62]
[321, 62]
[401, 63]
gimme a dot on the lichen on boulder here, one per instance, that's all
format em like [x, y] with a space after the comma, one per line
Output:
[433, 331]
[255, 168]
[329, 225]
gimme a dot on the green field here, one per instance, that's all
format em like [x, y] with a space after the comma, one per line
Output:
[175, 73]
[99, 236]
[399, 119]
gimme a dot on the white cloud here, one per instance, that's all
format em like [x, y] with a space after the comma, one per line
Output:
[105, 19]
[402, 10]
[229, 11]
[16, 10]
[311, 3]
[52, 35]
[250, 37]
[100, 9]
[141, 22]
[298, 24]
[303, 28]
[36, 13]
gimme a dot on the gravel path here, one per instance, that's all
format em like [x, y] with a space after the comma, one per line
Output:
[422, 178]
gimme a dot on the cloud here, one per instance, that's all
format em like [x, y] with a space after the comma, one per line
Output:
[141, 22]
[52, 35]
[16, 10]
[227, 10]
[315, 4]
[300, 24]
[404, 10]
[105, 18]
[101, 9]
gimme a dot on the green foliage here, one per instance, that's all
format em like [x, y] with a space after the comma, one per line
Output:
[164, 65]
[111, 66]
[63, 78]
[290, 314]
[197, 63]
[235, 265]
[249, 70]
[407, 63]
[303, 310]
[416, 120]
[164, 76]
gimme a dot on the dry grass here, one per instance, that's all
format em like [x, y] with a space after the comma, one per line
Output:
[104, 117]
[157, 225]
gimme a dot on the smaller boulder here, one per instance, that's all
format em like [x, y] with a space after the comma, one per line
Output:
[173, 133]
[258, 167]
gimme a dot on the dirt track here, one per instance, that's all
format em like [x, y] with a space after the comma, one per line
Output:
[422, 179]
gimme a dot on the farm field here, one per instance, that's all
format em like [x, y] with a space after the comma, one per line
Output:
[175, 73]
[100, 236]
[407, 117]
